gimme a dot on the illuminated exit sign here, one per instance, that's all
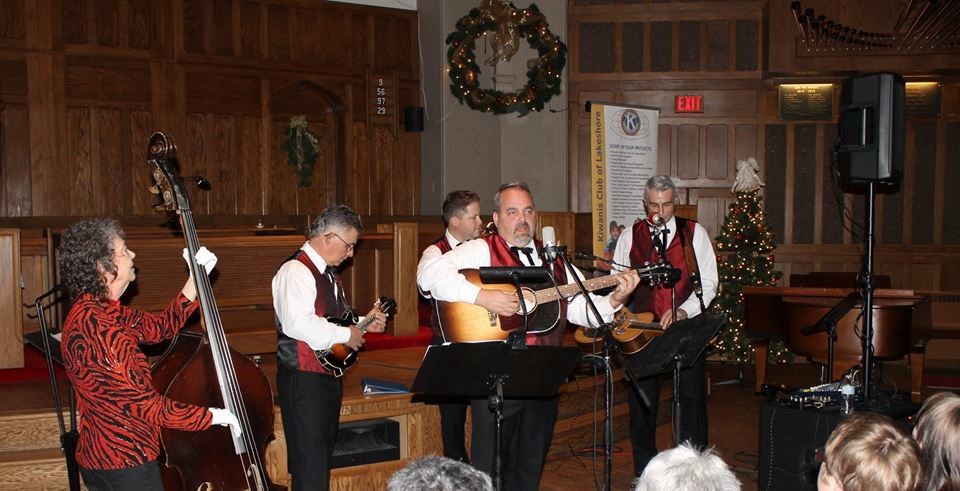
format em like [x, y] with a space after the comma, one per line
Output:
[688, 104]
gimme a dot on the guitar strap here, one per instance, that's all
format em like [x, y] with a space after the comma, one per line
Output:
[690, 256]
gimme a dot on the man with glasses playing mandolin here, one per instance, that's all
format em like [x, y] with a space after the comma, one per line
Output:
[527, 423]
[306, 292]
[691, 252]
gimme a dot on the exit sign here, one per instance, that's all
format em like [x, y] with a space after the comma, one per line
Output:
[688, 104]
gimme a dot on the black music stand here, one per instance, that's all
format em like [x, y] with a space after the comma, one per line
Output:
[677, 349]
[50, 346]
[494, 370]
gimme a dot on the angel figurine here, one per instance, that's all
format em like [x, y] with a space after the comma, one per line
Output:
[747, 179]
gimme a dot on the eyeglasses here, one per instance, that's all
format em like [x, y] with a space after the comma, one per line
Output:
[349, 245]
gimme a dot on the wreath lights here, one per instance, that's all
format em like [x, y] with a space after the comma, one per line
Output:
[543, 76]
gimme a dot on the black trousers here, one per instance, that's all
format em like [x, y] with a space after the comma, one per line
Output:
[145, 477]
[310, 407]
[527, 433]
[453, 417]
[693, 413]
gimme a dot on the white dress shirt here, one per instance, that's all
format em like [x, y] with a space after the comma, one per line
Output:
[294, 293]
[706, 260]
[442, 278]
[429, 255]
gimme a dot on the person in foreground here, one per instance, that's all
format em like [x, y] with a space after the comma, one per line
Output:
[869, 452]
[439, 474]
[306, 291]
[461, 217]
[685, 468]
[120, 412]
[688, 249]
[938, 434]
[528, 423]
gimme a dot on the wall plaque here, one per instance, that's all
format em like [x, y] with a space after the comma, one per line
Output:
[806, 102]
[923, 99]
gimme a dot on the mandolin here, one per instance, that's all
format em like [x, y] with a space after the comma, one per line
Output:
[633, 332]
[339, 357]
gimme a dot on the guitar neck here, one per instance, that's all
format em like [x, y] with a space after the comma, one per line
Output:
[568, 290]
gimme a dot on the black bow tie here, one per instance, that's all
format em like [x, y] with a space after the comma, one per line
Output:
[527, 251]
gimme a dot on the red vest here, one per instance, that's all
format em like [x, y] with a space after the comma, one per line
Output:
[293, 354]
[444, 245]
[657, 299]
[500, 255]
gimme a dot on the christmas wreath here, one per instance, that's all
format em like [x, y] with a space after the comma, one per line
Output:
[543, 76]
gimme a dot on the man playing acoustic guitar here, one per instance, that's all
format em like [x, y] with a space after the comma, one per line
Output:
[693, 254]
[527, 423]
[306, 291]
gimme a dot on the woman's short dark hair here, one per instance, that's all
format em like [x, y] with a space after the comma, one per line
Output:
[86, 253]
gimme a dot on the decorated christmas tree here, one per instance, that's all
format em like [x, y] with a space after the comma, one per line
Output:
[747, 240]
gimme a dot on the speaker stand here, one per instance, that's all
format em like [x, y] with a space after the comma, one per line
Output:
[868, 288]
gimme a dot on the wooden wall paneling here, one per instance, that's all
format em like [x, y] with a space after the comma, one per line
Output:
[141, 32]
[249, 183]
[688, 151]
[279, 33]
[923, 185]
[717, 52]
[15, 194]
[221, 165]
[666, 149]
[712, 207]
[11, 303]
[688, 45]
[632, 55]
[81, 194]
[775, 167]
[13, 31]
[831, 217]
[951, 183]
[114, 185]
[247, 37]
[744, 145]
[803, 179]
[382, 170]
[141, 127]
[75, 21]
[107, 22]
[717, 163]
[44, 133]
[223, 24]
[358, 168]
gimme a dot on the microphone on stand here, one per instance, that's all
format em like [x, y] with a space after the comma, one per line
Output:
[549, 237]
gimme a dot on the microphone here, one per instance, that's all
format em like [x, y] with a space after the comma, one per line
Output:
[588, 256]
[549, 237]
[656, 220]
[499, 274]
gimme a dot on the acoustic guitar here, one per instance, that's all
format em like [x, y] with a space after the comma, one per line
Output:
[633, 332]
[339, 357]
[462, 322]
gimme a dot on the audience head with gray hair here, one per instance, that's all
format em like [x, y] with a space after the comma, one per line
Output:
[439, 474]
[685, 468]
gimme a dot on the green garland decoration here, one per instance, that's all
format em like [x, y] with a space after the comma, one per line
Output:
[302, 147]
[543, 77]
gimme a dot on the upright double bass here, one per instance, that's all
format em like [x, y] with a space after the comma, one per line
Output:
[201, 368]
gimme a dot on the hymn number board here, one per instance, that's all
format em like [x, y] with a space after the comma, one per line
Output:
[383, 105]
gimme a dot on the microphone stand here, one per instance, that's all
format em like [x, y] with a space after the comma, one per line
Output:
[68, 438]
[661, 246]
[611, 349]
